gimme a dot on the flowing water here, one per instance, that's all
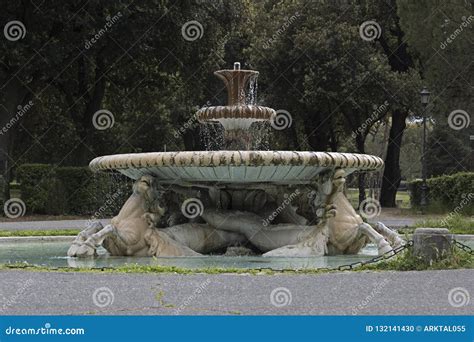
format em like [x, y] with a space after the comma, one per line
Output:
[212, 136]
[251, 97]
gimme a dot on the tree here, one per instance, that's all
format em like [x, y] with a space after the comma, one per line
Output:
[330, 79]
[136, 60]
[447, 153]
[439, 36]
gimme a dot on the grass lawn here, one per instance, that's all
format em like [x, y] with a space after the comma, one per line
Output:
[456, 224]
[403, 198]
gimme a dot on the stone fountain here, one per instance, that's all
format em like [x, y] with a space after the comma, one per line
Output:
[276, 203]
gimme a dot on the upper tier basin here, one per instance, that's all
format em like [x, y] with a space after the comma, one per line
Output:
[282, 167]
[235, 117]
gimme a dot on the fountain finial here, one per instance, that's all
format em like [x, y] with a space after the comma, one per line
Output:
[237, 115]
[236, 81]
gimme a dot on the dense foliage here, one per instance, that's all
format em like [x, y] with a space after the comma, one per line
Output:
[450, 192]
[48, 189]
[344, 93]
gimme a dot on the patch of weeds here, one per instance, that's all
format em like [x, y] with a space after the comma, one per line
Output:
[55, 232]
[159, 297]
[136, 268]
[235, 312]
[409, 262]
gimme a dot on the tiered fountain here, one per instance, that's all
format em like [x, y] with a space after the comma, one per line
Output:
[277, 203]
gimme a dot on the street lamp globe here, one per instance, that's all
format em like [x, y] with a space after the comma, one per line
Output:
[425, 96]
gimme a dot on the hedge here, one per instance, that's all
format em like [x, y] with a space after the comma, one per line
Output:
[48, 189]
[449, 192]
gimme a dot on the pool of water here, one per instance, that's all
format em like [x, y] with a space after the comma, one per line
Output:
[53, 254]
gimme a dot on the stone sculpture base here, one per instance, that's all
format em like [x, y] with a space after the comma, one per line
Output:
[170, 221]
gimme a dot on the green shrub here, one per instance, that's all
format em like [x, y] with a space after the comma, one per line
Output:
[77, 189]
[35, 185]
[47, 189]
[445, 193]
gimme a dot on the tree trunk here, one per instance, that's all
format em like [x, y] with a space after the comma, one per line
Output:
[392, 174]
[4, 152]
[316, 133]
[85, 123]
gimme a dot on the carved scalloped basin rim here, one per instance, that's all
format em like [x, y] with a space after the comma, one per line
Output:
[235, 117]
[235, 112]
[234, 166]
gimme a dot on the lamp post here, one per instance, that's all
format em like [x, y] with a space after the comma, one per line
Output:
[425, 98]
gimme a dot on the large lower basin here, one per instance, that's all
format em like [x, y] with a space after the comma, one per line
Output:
[281, 167]
[53, 254]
